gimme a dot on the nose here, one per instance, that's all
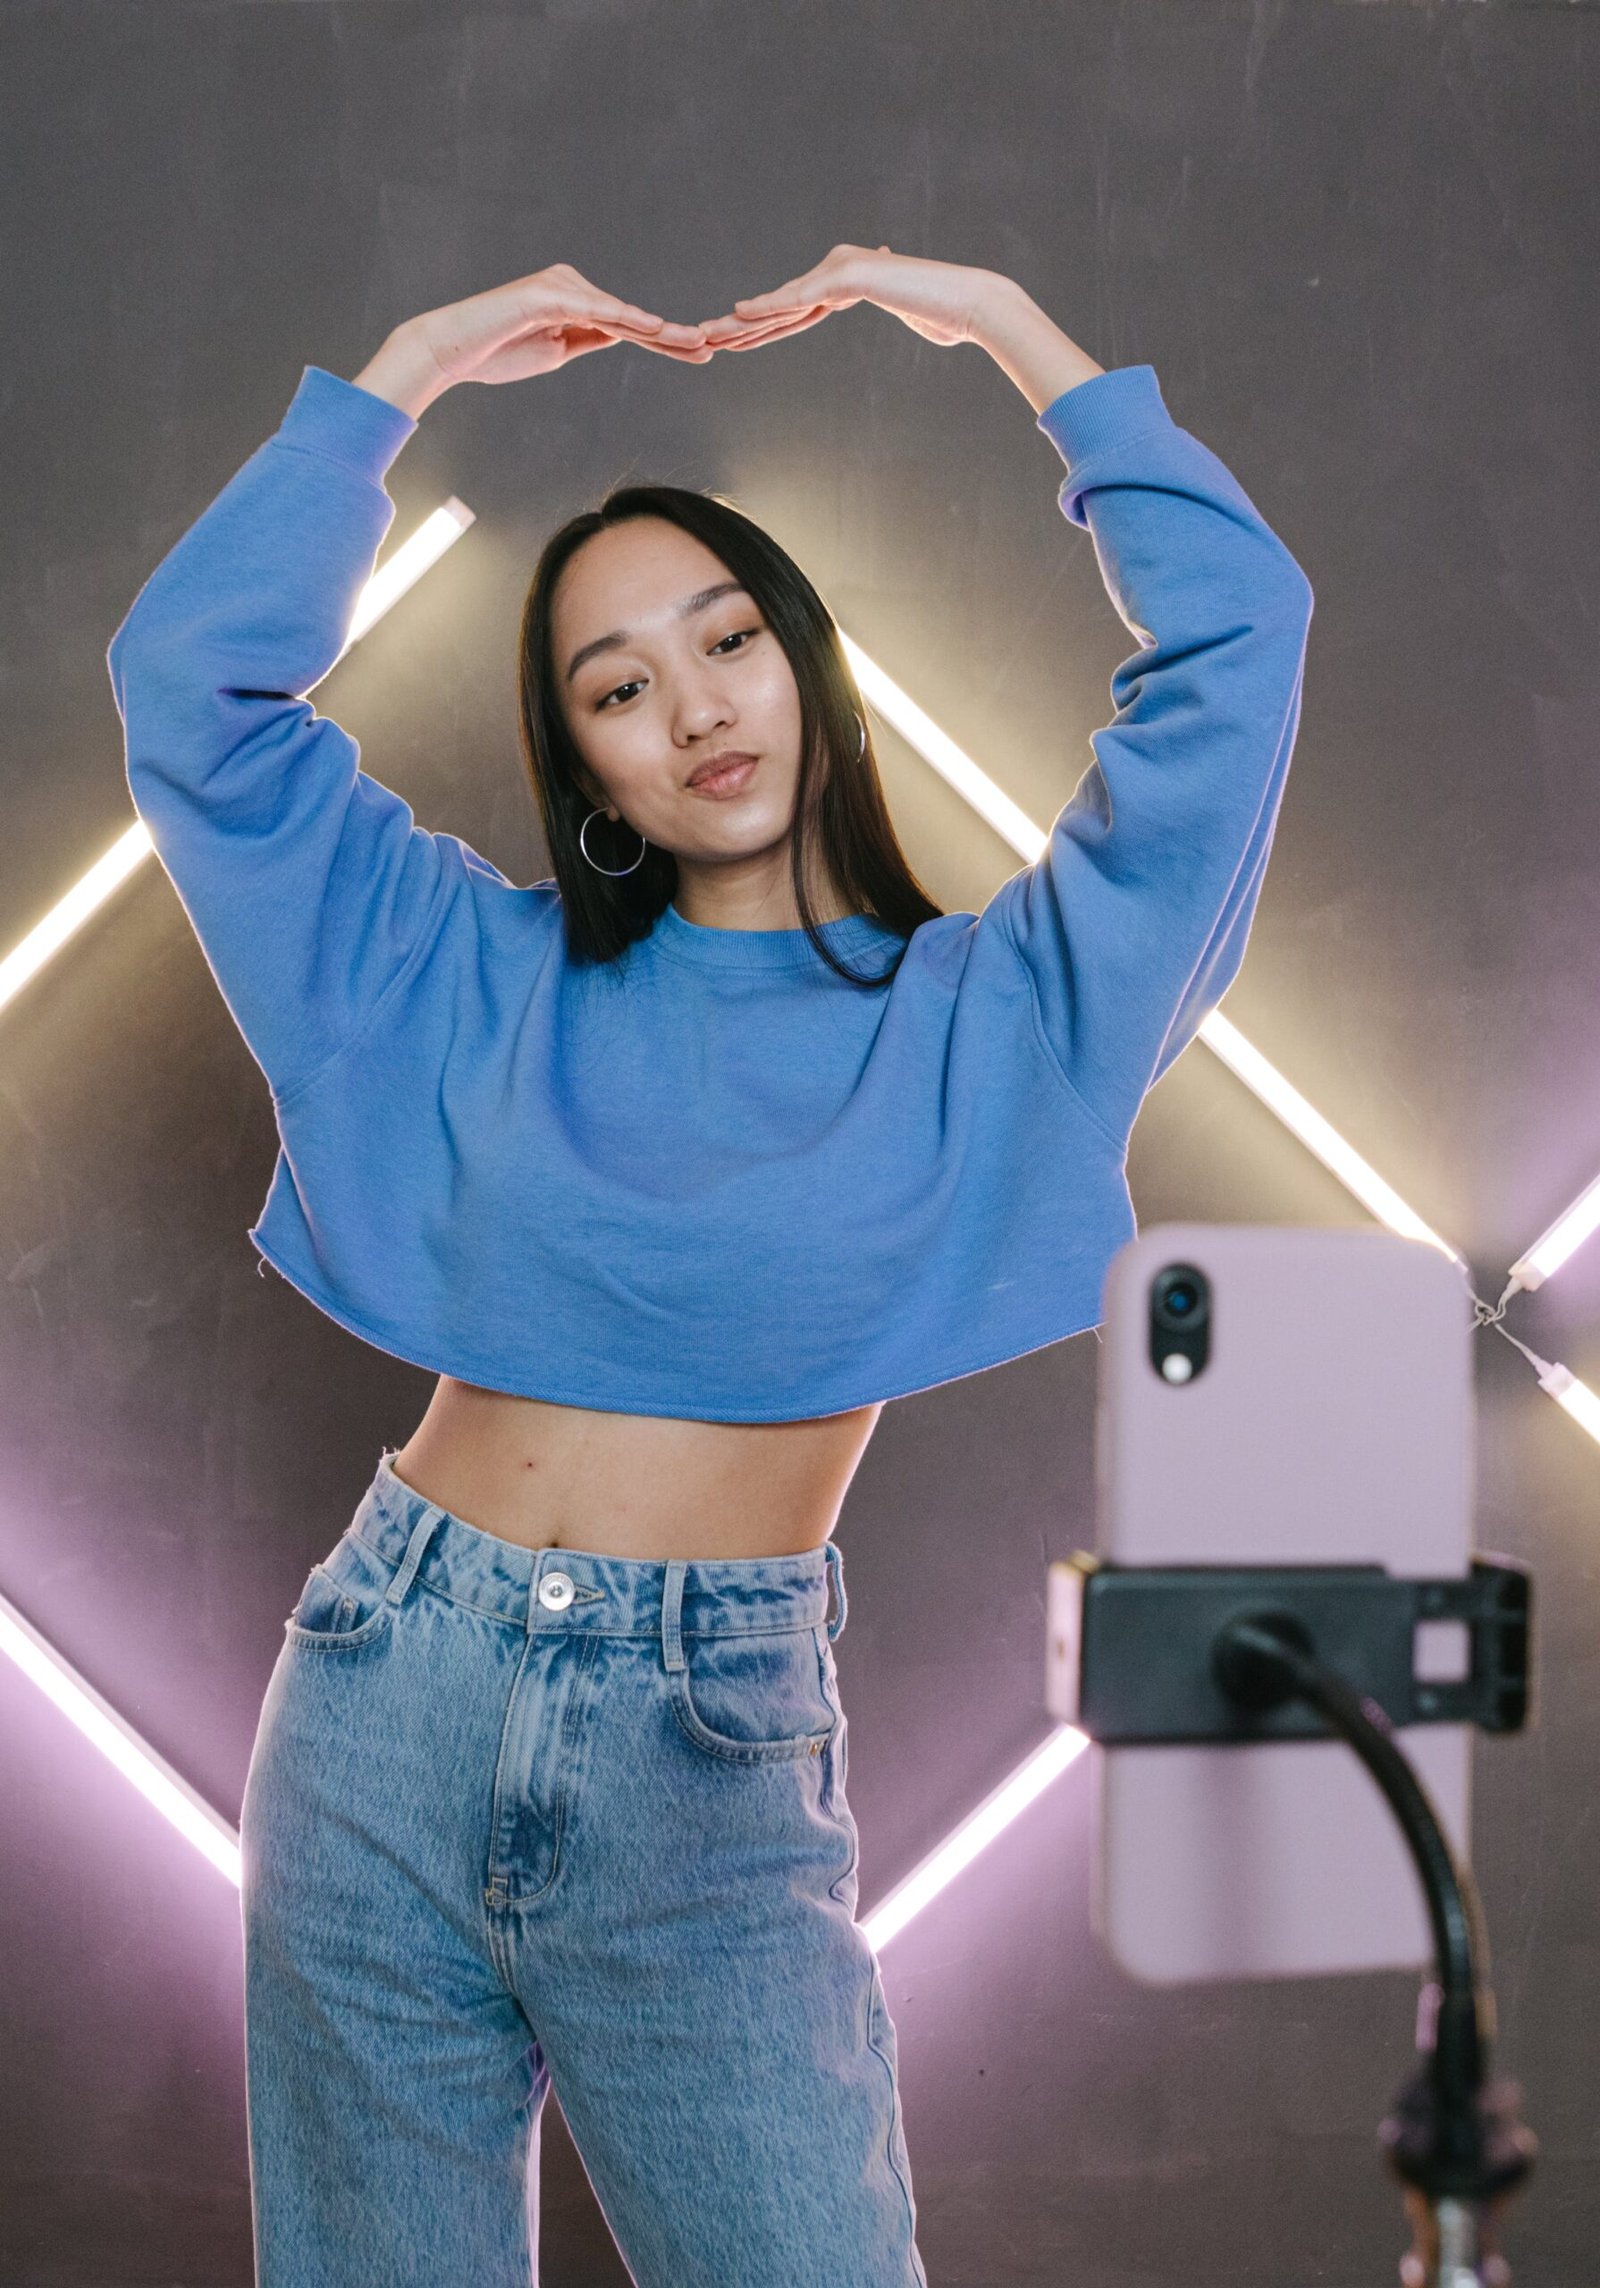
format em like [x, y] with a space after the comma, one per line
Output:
[702, 707]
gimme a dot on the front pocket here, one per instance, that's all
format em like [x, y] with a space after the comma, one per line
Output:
[755, 1698]
[345, 1599]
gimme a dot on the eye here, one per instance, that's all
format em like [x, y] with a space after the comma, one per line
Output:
[610, 695]
[741, 636]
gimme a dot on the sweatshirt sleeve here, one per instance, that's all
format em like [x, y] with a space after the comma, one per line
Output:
[308, 884]
[1133, 920]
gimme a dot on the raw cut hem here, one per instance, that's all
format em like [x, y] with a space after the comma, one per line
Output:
[485, 1375]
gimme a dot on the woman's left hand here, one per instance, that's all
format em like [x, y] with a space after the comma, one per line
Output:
[939, 300]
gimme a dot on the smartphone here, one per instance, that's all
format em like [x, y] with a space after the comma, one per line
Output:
[1272, 1395]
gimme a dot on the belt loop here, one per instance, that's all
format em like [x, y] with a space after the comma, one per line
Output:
[672, 1613]
[421, 1535]
[835, 1558]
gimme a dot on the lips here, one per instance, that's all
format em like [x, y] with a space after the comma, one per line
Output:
[716, 766]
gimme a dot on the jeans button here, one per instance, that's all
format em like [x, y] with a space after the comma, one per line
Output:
[556, 1592]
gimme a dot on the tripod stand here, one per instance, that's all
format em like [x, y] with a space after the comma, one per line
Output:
[1169, 1654]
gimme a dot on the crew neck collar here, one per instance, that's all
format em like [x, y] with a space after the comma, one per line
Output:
[765, 948]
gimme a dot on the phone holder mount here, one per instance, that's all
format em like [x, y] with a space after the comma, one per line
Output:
[1204, 1654]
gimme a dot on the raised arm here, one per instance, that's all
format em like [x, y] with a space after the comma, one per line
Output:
[309, 884]
[1132, 922]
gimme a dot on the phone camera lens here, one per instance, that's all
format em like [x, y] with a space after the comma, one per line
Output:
[1178, 1297]
[1180, 1322]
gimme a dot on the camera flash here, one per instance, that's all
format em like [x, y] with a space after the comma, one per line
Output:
[1176, 1367]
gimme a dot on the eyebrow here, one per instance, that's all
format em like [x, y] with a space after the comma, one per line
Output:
[617, 640]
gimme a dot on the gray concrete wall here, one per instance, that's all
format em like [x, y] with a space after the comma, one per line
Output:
[1357, 243]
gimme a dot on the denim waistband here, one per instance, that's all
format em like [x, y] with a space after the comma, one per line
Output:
[564, 1589]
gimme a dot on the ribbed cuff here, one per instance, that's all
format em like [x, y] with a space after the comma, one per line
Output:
[346, 423]
[1104, 411]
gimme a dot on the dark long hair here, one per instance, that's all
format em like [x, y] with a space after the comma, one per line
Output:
[839, 806]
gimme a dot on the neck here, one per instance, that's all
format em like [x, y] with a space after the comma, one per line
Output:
[754, 894]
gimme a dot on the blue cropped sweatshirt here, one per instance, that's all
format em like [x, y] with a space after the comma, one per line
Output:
[713, 1178]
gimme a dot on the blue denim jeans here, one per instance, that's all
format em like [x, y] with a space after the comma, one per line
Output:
[517, 1816]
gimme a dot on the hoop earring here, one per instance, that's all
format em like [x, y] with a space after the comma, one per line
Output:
[861, 719]
[594, 862]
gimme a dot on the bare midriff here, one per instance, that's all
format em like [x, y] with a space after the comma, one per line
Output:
[631, 1485]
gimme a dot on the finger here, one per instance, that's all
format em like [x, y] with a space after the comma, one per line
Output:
[757, 338]
[669, 329]
[607, 309]
[627, 320]
[835, 279]
[601, 333]
[688, 356]
[686, 342]
[686, 353]
[799, 292]
[681, 345]
[614, 331]
[810, 286]
[740, 329]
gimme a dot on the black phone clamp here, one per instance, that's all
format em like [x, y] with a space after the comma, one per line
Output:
[1217, 1653]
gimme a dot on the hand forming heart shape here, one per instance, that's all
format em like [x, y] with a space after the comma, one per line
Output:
[935, 299]
[535, 324]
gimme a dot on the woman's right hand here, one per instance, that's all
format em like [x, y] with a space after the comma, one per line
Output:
[512, 332]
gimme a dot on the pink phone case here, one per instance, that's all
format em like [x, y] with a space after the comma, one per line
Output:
[1333, 1423]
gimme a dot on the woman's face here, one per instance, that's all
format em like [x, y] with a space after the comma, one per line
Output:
[689, 671]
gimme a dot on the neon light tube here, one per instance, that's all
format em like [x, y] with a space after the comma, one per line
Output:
[1563, 1239]
[406, 566]
[69, 913]
[387, 585]
[1316, 1134]
[976, 1832]
[119, 1743]
[1574, 1397]
[920, 731]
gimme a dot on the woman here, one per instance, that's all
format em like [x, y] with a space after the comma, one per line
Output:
[675, 1167]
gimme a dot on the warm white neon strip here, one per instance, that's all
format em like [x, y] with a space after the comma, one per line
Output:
[1015, 826]
[406, 566]
[1318, 1135]
[119, 1743]
[69, 913]
[387, 585]
[897, 707]
[1575, 1397]
[1565, 1236]
[976, 1832]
